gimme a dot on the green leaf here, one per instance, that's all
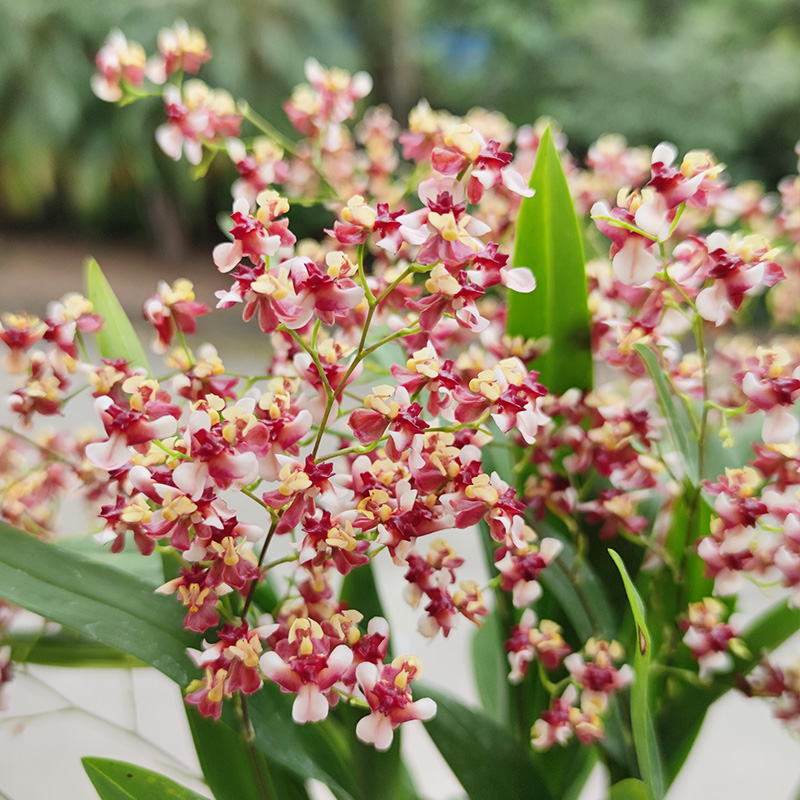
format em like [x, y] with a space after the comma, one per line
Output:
[106, 604]
[484, 757]
[644, 737]
[118, 780]
[65, 648]
[234, 769]
[490, 669]
[313, 751]
[770, 629]
[232, 766]
[122, 611]
[629, 789]
[580, 593]
[130, 560]
[377, 774]
[677, 421]
[548, 241]
[117, 339]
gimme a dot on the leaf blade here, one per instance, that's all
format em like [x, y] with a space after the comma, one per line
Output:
[548, 241]
[117, 338]
[628, 789]
[122, 611]
[675, 421]
[99, 601]
[644, 738]
[119, 780]
[505, 768]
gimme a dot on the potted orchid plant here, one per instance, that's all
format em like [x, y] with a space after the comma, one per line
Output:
[488, 336]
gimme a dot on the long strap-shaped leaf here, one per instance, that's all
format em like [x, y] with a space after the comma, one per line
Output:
[117, 339]
[121, 610]
[676, 421]
[644, 737]
[118, 780]
[548, 241]
[104, 603]
[485, 758]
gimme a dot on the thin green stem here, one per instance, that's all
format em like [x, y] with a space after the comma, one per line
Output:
[265, 788]
[285, 560]
[169, 451]
[362, 276]
[256, 499]
[186, 350]
[40, 447]
[312, 352]
[250, 594]
[273, 133]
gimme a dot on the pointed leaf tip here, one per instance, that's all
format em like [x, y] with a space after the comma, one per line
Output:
[548, 242]
[117, 338]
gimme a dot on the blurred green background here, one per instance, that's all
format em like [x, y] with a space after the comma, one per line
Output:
[718, 74]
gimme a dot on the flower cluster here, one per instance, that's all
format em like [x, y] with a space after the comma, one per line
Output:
[393, 396]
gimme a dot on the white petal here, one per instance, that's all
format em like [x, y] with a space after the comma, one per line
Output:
[634, 264]
[520, 279]
[424, 708]
[651, 217]
[514, 182]
[367, 675]
[780, 426]
[362, 84]
[310, 705]
[109, 455]
[712, 304]
[170, 140]
[376, 729]
[665, 153]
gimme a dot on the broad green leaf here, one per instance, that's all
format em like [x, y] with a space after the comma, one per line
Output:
[122, 611]
[770, 629]
[490, 669]
[580, 769]
[629, 789]
[130, 560]
[374, 771]
[690, 522]
[104, 603]
[117, 339]
[669, 598]
[484, 757]
[65, 648]
[676, 419]
[318, 750]
[548, 241]
[118, 780]
[232, 767]
[644, 737]
[578, 590]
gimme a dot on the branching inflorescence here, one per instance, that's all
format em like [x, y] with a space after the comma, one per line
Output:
[352, 468]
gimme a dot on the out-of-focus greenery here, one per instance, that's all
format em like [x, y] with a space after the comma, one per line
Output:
[69, 159]
[721, 74]
[717, 74]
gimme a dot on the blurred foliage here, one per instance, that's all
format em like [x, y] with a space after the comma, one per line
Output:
[720, 74]
[717, 74]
